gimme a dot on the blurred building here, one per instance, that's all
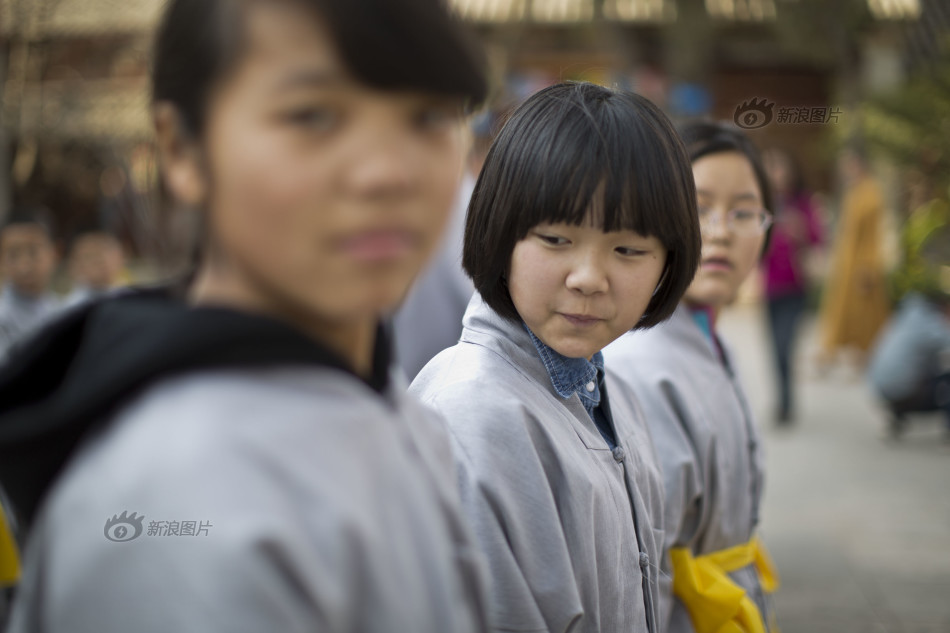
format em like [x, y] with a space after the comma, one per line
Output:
[812, 60]
[76, 130]
[75, 105]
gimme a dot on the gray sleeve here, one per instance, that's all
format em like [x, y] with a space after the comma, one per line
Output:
[255, 566]
[672, 429]
[211, 585]
[507, 498]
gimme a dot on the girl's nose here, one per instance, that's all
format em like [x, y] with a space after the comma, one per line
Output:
[388, 167]
[587, 275]
[715, 227]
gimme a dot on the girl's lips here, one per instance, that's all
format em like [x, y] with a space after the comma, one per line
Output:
[379, 245]
[581, 320]
[716, 264]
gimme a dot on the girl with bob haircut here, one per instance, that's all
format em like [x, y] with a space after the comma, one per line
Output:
[239, 455]
[698, 415]
[582, 226]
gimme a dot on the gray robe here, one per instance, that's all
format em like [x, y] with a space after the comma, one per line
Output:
[301, 502]
[571, 529]
[705, 440]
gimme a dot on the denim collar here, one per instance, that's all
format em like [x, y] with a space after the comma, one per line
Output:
[572, 375]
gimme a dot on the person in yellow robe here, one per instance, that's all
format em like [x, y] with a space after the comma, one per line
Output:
[855, 303]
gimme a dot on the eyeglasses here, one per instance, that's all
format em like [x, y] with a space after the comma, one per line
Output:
[741, 221]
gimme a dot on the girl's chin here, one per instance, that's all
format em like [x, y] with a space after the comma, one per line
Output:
[711, 297]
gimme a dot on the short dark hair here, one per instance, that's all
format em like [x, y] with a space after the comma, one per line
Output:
[703, 138]
[405, 45]
[564, 145]
[37, 216]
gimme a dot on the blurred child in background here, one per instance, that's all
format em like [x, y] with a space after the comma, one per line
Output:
[27, 261]
[96, 266]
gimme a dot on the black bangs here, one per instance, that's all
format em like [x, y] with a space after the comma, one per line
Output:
[587, 149]
[577, 176]
[414, 45]
[579, 153]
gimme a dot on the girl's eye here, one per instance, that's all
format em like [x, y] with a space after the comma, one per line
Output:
[312, 118]
[628, 251]
[553, 240]
[436, 117]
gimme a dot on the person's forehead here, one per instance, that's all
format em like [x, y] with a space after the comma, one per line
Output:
[24, 233]
[97, 242]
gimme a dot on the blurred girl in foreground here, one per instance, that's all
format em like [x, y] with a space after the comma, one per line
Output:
[237, 457]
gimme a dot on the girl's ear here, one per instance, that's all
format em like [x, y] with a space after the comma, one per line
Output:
[180, 156]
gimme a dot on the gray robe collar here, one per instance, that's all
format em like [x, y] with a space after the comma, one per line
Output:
[509, 339]
[684, 328]
[511, 342]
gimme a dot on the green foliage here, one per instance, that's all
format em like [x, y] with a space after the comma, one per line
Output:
[911, 126]
[925, 252]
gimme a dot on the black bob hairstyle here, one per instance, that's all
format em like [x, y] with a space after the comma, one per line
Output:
[414, 45]
[703, 138]
[561, 148]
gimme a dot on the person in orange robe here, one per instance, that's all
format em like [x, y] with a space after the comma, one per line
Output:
[855, 303]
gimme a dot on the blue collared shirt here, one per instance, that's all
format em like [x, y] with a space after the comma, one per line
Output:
[581, 376]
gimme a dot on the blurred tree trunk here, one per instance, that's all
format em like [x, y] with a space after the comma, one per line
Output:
[6, 184]
[21, 66]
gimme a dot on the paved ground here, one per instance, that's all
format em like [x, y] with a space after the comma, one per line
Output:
[859, 525]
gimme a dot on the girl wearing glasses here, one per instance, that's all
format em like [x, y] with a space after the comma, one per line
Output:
[697, 413]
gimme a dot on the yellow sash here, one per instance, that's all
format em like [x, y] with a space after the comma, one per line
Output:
[9, 558]
[715, 603]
